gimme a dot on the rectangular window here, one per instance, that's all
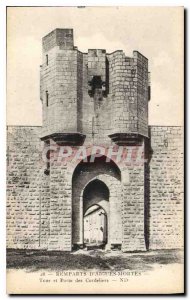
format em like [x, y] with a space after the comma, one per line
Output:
[46, 59]
[47, 98]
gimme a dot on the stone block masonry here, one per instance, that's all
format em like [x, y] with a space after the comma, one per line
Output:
[94, 98]
[28, 195]
[166, 187]
[69, 78]
[23, 186]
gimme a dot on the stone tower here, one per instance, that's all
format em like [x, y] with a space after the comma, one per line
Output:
[105, 94]
[93, 98]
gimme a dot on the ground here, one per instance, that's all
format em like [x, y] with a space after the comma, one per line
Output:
[36, 260]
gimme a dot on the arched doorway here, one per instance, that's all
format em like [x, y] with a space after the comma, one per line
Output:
[97, 183]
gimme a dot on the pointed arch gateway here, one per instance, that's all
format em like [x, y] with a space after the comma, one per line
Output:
[97, 186]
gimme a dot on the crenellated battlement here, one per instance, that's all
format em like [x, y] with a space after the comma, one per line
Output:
[106, 93]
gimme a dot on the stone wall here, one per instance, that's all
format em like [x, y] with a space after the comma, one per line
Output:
[24, 189]
[133, 207]
[68, 79]
[166, 187]
[141, 88]
[128, 87]
[39, 208]
[58, 37]
[60, 229]
[59, 84]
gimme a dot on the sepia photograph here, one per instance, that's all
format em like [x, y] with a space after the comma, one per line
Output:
[95, 150]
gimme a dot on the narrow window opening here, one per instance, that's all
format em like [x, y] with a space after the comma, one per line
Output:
[47, 98]
[46, 59]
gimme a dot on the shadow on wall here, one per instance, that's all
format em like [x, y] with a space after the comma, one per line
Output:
[148, 157]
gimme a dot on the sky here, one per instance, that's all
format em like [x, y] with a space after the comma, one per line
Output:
[156, 32]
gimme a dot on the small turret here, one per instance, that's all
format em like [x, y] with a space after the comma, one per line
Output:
[59, 90]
